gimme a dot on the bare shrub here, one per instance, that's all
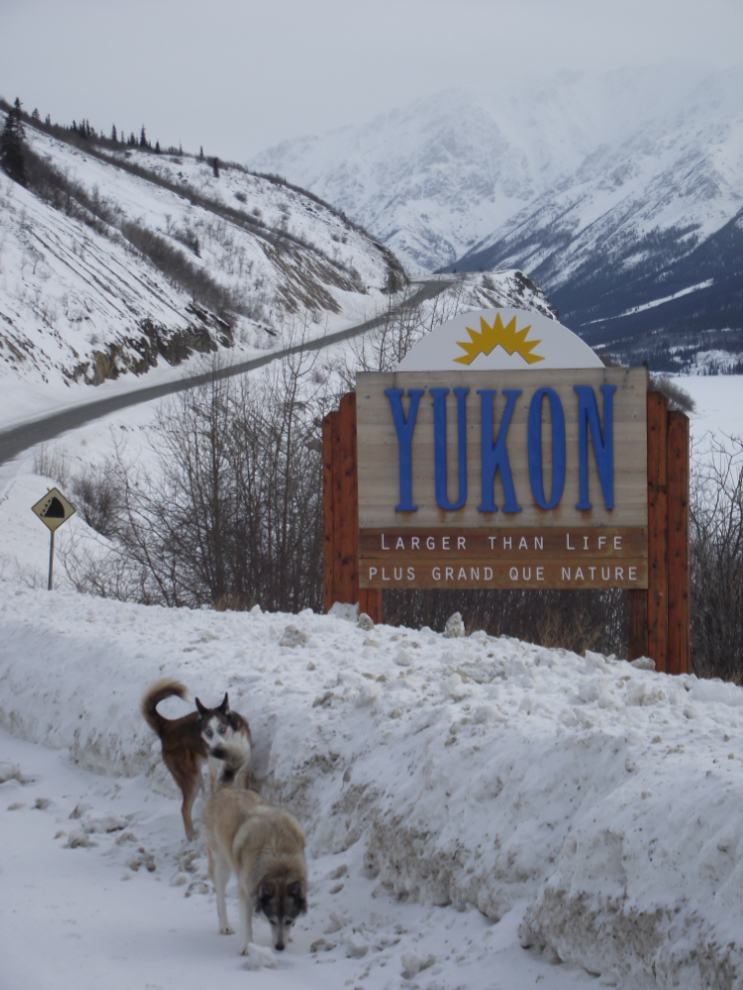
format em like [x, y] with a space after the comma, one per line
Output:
[382, 348]
[189, 237]
[232, 514]
[577, 628]
[98, 499]
[175, 266]
[716, 561]
[572, 620]
[51, 462]
[60, 192]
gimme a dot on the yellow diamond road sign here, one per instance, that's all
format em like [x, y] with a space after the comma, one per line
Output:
[53, 509]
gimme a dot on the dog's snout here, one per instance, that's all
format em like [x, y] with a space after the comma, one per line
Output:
[279, 946]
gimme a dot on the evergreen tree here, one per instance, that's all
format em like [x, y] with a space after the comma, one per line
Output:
[157, 147]
[142, 138]
[11, 145]
[114, 137]
[36, 115]
[215, 167]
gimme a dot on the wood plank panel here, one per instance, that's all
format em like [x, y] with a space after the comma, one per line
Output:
[657, 529]
[370, 601]
[678, 544]
[637, 633]
[579, 573]
[379, 463]
[504, 543]
[337, 498]
[340, 532]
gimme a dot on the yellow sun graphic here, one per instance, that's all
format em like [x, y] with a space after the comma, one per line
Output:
[489, 337]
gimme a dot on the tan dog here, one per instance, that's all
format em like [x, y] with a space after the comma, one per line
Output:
[264, 846]
[218, 734]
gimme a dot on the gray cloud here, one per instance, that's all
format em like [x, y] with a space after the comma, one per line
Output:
[239, 75]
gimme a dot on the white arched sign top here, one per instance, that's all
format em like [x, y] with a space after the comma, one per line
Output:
[502, 340]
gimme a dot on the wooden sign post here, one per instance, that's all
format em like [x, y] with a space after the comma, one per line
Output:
[341, 513]
[660, 618]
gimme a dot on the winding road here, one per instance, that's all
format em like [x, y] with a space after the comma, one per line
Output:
[14, 441]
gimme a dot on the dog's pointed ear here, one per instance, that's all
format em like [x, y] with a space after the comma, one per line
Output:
[265, 891]
[294, 890]
[225, 706]
[202, 711]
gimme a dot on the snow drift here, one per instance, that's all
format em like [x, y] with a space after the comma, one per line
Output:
[603, 796]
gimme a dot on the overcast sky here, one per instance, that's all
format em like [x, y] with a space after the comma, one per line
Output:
[238, 76]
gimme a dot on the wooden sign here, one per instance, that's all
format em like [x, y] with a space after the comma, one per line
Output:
[503, 479]
[501, 453]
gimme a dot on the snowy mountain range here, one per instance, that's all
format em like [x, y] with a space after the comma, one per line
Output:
[620, 195]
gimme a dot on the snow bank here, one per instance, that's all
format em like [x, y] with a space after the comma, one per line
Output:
[472, 770]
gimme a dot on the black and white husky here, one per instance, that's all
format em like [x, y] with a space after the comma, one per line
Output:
[227, 738]
[217, 734]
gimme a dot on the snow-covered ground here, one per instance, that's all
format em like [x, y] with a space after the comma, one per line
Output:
[719, 404]
[459, 795]
[462, 797]
[96, 863]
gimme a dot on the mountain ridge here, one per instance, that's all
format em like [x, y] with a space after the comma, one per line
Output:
[584, 185]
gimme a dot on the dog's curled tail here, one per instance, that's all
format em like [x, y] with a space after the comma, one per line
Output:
[157, 692]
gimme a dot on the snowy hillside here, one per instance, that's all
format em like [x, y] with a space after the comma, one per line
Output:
[433, 178]
[621, 195]
[115, 258]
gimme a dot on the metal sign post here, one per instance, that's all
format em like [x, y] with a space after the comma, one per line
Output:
[53, 510]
